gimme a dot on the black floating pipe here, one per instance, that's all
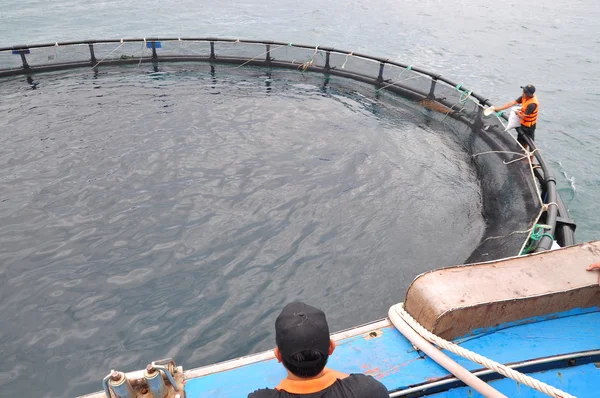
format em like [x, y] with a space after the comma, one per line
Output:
[545, 243]
[564, 224]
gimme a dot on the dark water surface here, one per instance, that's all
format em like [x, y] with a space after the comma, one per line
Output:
[172, 214]
[144, 216]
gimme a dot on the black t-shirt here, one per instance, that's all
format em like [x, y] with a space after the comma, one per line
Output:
[353, 386]
[530, 108]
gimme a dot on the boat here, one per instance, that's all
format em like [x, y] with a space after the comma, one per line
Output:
[522, 315]
[536, 315]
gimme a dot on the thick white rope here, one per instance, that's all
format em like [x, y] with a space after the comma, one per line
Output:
[442, 359]
[488, 363]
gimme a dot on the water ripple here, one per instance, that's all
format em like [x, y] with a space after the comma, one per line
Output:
[130, 234]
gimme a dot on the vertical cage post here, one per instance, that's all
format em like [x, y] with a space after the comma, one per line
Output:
[154, 55]
[92, 55]
[434, 80]
[380, 77]
[24, 59]
[268, 57]
[327, 56]
[21, 51]
[212, 50]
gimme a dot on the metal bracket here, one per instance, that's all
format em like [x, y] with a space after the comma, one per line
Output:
[168, 370]
[105, 384]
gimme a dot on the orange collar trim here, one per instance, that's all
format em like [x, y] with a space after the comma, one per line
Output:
[309, 386]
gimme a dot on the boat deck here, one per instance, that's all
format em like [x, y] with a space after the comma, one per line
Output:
[386, 355]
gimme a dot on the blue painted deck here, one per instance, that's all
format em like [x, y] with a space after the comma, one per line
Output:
[580, 381]
[392, 360]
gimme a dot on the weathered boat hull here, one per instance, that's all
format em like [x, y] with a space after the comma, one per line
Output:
[561, 348]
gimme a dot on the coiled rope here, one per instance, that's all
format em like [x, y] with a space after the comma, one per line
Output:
[536, 234]
[480, 359]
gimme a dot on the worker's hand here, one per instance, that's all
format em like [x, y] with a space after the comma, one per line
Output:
[593, 266]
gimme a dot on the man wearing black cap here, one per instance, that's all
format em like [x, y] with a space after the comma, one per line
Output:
[528, 115]
[303, 347]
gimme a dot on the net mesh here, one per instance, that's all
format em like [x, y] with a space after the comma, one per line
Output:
[406, 78]
[509, 192]
[183, 48]
[354, 64]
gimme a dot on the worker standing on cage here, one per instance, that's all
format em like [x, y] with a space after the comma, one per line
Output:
[528, 114]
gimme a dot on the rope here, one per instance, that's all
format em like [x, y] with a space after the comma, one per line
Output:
[462, 100]
[488, 363]
[537, 234]
[347, 55]
[409, 67]
[465, 93]
[109, 54]
[261, 54]
[142, 54]
[310, 62]
[509, 235]
[521, 156]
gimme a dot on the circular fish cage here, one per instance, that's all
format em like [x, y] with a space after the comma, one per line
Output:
[71, 285]
[521, 207]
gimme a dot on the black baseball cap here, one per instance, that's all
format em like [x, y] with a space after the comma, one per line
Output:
[301, 327]
[529, 89]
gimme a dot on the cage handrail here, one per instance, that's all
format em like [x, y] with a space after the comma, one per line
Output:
[422, 71]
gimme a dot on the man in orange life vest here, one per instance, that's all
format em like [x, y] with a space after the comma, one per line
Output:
[529, 113]
[303, 346]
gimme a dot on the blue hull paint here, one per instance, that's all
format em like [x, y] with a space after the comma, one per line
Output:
[391, 359]
[579, 381]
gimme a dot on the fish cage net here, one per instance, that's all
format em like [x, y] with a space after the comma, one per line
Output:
[510, 194]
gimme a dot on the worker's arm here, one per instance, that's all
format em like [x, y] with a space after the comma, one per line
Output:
[505, 106]
[593, 267]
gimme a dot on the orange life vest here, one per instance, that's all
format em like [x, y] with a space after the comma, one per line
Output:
[531, 119]
[312, 385]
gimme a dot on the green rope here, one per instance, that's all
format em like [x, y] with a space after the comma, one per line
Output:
[465, 94]
[537, 234]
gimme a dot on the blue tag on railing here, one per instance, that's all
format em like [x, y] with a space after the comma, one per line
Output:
[157, 44]
[19, 52]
